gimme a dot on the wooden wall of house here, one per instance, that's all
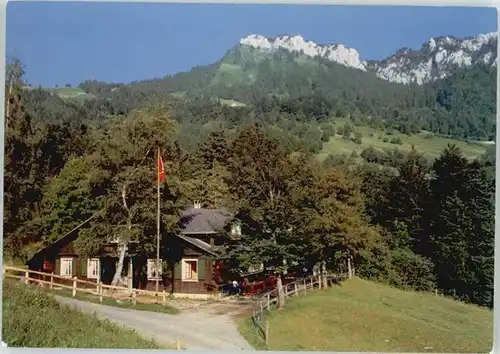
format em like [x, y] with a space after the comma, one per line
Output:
[173, 281]
[204, 285]
[49, 261]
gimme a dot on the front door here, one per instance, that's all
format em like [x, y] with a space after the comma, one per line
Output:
[108, 268]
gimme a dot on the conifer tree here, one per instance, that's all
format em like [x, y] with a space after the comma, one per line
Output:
[462, 235]
[407, 201]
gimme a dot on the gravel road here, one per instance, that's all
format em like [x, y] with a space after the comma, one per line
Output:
[196, 329]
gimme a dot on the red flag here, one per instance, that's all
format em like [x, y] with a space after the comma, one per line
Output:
[161, 169]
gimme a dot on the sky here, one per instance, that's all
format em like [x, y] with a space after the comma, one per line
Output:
[61, 43]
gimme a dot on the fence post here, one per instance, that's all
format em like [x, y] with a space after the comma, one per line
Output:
[164, 297]
[99, 290]
[26, 277]
[267, 331]
[268, 300]
[296, 289]
[254, 319]
[305, 286]
[312, 283]
[134, 301]
[74, 286]
[178, 344]
[261, 306]
[51, 280]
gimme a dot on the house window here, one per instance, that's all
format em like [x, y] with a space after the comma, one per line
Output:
[93, 268]
[189, 270]
[48, 266]
[236, 229]
[66, 267]
[153, 272]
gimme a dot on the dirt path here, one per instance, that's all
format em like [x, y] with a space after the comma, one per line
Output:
[200, 327]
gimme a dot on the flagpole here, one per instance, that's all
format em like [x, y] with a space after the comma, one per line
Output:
[158, 230]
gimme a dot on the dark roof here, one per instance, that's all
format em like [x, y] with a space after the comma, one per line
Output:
[68, 237]
[199, 244]
[204, 221]
[193, 221]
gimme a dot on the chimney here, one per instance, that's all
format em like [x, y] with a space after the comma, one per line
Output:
[197, 204]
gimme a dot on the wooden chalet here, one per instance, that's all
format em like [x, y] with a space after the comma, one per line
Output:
[189, 260]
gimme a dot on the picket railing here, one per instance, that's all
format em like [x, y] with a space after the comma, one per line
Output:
[300, 286]
[96, 288]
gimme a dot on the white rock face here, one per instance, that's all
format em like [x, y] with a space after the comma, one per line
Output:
[437, 57]
[337, 53]
[434, 60]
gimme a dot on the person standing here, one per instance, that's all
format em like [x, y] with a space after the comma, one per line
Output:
[235, 287]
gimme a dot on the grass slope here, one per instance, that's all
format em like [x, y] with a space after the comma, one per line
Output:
[70, 93]
[361, 315]
[31, 318]
[429, 144]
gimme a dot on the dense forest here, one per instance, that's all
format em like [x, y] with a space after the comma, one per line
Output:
[396, 218]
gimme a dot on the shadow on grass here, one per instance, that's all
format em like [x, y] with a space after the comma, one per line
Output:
[126, 304]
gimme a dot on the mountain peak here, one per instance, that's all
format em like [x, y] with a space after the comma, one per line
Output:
[336, 52]
[437, 57]
[433, 61]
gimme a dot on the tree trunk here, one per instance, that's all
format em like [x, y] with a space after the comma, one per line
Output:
[117, 278]
[281, 293]
[323, 271]
[349, 270]
[353, 266]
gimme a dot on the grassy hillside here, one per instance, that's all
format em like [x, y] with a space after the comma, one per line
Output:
[429, 144]
[70, 93]
[31, 318]
[364, 316]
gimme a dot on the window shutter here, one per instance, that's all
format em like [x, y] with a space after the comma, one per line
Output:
[201, 268]
[84, 267]
[178, 271]
[58, 267]
[102, 268]
[73, 267]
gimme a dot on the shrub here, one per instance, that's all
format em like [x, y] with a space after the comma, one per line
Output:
[414, 271]
[328, 132]
[372, 155]
[396, 140]
[358, 138]
[398, 267]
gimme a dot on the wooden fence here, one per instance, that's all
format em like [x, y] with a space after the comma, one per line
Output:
[301, 286]
[96, 288]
